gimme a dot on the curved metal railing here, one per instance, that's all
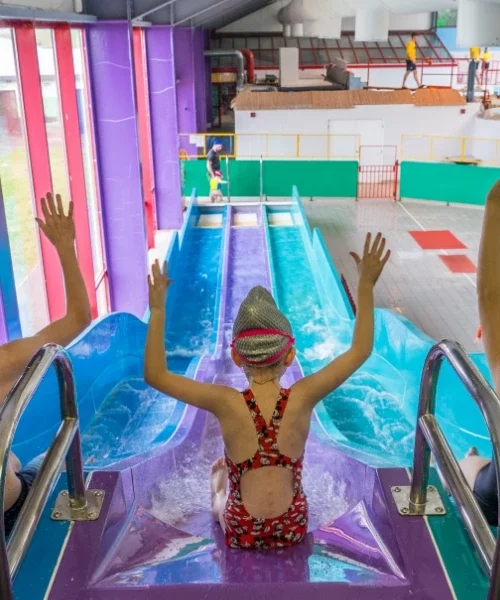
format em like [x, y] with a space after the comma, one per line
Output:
[66, 444]
[429, 438]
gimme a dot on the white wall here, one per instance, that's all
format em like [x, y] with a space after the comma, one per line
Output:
[396, 121]
[398, 22]
[265, 20]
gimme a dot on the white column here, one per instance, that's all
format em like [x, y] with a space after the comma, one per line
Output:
[478, 23]
[371, 25]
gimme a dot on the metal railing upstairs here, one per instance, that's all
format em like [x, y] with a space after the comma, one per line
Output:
[76, 504]
[421, 499]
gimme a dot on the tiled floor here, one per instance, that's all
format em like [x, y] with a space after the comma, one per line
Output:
[416, 282]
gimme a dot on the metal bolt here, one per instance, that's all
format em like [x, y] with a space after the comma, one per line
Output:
[397, 490]
[64, 493]
[57, 515]
[98, 493]
[404, 511]
[439, 509]
[431, 488]
[91, 515]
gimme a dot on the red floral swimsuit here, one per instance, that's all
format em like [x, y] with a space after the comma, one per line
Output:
[245, 531]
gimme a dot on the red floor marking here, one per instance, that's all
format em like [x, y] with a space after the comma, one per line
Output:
[437, 240]
[458, 263]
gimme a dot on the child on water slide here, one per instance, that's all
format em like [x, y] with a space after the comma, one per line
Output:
[257, 493]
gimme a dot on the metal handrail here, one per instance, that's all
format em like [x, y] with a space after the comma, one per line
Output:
[429, 438]
[66, 444]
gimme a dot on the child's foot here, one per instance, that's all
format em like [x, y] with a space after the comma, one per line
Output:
[218, 487]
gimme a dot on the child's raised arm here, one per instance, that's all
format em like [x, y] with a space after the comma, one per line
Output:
[315, 387]
[203, 395]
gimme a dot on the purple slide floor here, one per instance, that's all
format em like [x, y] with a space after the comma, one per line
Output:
[156, 538]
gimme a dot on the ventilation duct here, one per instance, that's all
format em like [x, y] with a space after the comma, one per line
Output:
[477, 23]
[294, 15]
[326, 23]
[372, 25]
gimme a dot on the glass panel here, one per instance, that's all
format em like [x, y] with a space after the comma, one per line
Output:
[388, 52]
[253, 43]
[266, 43]
[374, 53]
[215, 43]
[267, 58]
[348, 56]
[395, 41]
[332, 43]
[226, 43]
[442, 53]
[384, 44]
[447, 18]
[307, 57]
[278, 42]
[362, 56]
[358, 44]
[82, 94]
[291, 42]
[406, 37]
[344, 42]
[240, 42]
[401, 52]
[427, 52]
[305, 43]
[323, 57]
[18, 197]
[51, 109]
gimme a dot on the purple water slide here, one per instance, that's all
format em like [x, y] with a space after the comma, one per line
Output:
[109, 52]
[157, 539]
[164, 127]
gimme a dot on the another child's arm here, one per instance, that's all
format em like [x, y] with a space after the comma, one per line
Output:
[488, 283]
[203, 395]
[315, 387]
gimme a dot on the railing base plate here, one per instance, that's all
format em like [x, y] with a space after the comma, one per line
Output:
[433, 507]
[63, 511]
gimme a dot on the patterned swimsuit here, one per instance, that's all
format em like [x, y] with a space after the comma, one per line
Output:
[245, 531]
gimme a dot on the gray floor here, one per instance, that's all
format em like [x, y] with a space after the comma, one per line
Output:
[416, 283]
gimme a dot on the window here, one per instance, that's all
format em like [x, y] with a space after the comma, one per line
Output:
[253, 43]
[87, 143]
[18, 196]
[51, 108]
[266, 43]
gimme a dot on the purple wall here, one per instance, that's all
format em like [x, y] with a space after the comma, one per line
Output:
[208, 78]
[109, 52]
[200, 81]
[185, 80]
[164, 128]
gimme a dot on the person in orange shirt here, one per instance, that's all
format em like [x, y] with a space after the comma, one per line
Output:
[411, 60]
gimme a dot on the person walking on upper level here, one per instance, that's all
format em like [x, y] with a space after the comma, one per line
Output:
[411, 60]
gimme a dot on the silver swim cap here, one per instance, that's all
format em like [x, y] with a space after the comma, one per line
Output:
[261, 333]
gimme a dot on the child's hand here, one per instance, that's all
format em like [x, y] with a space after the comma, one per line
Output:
[58, 227]
[373, 262]
[158, 284]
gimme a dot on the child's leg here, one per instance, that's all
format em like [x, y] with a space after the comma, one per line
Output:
[218, 485]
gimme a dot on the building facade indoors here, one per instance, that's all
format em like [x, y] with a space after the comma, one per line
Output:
[249, 286]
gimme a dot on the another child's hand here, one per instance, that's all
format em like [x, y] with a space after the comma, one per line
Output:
[373, 262]
[57, 227]
[158, 284]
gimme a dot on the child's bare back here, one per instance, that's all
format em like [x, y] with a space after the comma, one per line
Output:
[257, 492]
